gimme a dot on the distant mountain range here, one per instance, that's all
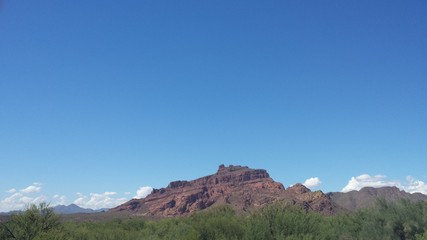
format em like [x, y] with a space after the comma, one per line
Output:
[73, 208]
[367, 196]
[63, 209]
[246, 189]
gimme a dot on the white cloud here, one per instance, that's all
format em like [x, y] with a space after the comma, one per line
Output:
[110, 193]
[365, 180]
[142, 192]
[18, 201]
[13, 190]
[127, 193]
[59, 200]
[99, 200]
[411, 185]
[35, 187]
[312, 182]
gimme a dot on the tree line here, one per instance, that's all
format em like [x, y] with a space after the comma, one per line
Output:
[386, 220]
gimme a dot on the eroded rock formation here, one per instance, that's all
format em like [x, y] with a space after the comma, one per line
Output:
[241, 187]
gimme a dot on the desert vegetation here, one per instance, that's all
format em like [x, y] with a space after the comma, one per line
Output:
[399, 220]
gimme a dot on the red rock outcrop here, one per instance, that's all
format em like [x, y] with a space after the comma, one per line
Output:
[315, 201]
[241, 187]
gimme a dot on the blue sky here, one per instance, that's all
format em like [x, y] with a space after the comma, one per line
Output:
[99, 99]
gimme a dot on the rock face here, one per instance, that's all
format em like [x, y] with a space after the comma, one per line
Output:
[241, 187]
[367, 196]
[316, 201]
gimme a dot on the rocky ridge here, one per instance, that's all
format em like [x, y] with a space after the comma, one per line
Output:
[367, 196]
[243, 188]
[73, 208]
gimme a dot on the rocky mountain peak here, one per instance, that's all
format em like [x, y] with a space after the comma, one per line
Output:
[239, 186]
[238, 174]
[298, 189]
[224, 170]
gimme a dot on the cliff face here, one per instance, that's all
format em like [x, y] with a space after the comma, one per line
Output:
[315, 201]
[241, 187]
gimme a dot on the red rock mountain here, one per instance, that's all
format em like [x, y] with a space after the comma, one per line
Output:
[241, 187]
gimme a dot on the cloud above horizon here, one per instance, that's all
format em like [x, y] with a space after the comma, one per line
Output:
[34, 188]
[33, 194]
[59, 200]
[99, 200]
[13, 190]
[312, 182]
[142, 192]
[20, 199]
[411, 185]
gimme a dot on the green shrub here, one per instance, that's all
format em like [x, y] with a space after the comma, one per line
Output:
[280, 221]
[35, 221]
[400, 220]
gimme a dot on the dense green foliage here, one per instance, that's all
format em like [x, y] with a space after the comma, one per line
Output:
[34, 223]
[401, 220]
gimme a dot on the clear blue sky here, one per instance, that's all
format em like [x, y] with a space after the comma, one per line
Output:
[109, 96]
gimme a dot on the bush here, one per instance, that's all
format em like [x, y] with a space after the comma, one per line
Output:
[280, 221]
[36, 220]
[219, 222]
[400, 220]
